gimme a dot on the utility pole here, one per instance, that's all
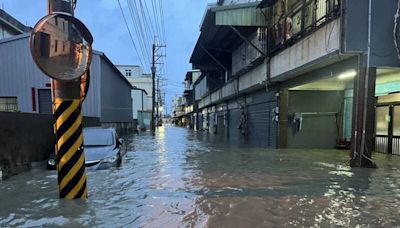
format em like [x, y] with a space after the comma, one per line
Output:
[155, 109]
[153, 76]
[158, 101]
[66, 71]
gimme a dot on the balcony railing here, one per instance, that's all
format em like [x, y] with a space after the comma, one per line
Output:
[301, 20]
[246, 54]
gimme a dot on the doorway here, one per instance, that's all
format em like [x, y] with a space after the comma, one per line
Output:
[387, 127]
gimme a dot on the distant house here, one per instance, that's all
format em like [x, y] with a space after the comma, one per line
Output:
[141, 93]
[24, 88]
[10, 26]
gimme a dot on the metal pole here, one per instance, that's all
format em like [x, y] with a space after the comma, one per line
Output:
[158, 101]
[153, 75]
[68, 128]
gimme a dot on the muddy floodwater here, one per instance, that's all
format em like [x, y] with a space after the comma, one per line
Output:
[179, 178]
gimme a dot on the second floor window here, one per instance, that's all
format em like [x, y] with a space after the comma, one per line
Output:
[128, 73]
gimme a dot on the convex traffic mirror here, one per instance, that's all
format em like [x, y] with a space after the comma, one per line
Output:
[61, 46]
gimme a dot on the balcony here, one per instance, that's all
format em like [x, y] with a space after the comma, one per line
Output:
[293, 20]
[246, 56]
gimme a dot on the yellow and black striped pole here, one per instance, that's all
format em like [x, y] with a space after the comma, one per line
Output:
[69, 148]
[66, 68]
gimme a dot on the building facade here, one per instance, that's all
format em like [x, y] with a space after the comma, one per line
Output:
[282, 74]
[141, 93]
[24, 88]
[9, 26]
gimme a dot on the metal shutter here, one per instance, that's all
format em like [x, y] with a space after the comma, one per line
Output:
[262, 130]
[45, 102]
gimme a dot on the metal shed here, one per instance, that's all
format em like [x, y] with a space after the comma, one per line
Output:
[109, 96]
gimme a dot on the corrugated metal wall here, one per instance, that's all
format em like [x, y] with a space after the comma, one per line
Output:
[201, 88]
[261, 129]
[92, 105]
[116, 101]
[235, 136]
[19, 74]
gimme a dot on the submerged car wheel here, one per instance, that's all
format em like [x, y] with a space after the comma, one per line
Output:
[51, 163]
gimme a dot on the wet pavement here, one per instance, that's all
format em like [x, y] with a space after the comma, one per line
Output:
[184, 179]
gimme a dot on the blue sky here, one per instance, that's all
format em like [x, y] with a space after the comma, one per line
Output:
[105, 21]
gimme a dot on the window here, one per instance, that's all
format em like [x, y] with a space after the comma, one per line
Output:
[56, 46]
[128, 73]
[8, 104]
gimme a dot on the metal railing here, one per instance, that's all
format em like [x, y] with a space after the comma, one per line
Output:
[382, 144]
[246, 54]
[301, 20]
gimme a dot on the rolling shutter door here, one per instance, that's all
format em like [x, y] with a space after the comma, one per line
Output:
[262, 130]
[45, 102]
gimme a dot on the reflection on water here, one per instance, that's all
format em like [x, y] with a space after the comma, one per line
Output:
[181, 178]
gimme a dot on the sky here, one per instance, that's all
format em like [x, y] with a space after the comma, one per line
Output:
[105, 22]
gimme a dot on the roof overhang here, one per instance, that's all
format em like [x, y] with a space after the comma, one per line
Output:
[266, 3]
[13, 23]
[216, 35]
[246, 14]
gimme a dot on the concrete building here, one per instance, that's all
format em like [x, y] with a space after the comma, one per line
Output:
[9, 26]
[141, 93]
[178, 111]
[130, 71]
[285, 73]
[24, 88]
[188, 114]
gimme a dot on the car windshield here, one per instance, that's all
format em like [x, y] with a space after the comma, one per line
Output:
[98, 138]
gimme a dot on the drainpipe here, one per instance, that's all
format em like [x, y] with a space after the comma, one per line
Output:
[268, 65]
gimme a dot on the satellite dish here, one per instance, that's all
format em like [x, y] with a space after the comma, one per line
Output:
[61, 47]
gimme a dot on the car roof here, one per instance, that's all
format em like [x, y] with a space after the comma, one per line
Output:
[98, 129]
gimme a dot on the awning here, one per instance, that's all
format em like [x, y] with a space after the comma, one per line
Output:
[240, 15]
[219, 39]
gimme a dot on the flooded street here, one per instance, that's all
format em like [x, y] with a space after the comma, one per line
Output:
[180, 178]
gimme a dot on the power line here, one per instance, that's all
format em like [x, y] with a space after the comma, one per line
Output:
[139, 34]
[130, 34]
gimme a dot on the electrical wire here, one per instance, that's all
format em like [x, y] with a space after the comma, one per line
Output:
[130, 34]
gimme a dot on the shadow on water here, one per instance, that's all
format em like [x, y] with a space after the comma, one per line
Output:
[182, 178]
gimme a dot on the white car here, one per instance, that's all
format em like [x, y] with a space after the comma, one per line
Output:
[102, 147]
